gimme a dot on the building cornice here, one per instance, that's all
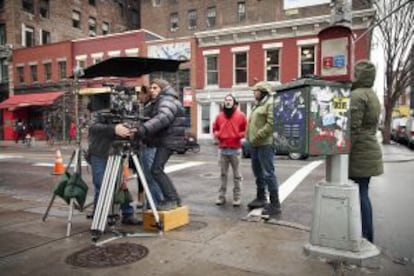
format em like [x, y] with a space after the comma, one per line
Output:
[278, 29]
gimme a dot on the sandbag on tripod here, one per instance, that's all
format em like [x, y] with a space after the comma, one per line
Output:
[76, 188]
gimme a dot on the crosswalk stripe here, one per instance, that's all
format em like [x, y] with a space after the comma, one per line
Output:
[5, 156]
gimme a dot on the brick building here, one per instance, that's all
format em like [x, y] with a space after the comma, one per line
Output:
[240, 42]
[28, 23]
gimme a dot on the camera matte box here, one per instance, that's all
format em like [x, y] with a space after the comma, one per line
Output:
[170, 219]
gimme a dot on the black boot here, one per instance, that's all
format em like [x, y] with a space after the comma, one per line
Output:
[273, 209]
[260, 201]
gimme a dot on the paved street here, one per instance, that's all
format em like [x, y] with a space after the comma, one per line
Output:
[25, 190]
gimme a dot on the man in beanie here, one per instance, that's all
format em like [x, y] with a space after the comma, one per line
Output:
[365, 157]
[165, 131]
[260, 137]
[229, 128]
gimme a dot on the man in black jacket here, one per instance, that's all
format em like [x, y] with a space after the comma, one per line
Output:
[165, 131]
[100, 138]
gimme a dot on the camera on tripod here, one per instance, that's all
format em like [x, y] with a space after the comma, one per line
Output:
[119, 107]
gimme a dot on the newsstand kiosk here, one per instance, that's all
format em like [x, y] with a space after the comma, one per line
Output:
[312, 116]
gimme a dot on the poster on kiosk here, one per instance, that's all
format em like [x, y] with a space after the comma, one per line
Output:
[336, 53]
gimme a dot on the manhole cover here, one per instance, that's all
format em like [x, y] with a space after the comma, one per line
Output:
[193, 226]
[108, 255]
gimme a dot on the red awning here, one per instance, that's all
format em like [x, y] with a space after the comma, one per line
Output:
[24, 100]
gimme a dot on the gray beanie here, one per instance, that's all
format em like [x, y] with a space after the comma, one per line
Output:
[161, 83]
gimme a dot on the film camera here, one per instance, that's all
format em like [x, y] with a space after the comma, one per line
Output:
[118, 106]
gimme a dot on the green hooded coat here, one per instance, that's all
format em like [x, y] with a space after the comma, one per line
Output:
[365, 157]
[260, 125]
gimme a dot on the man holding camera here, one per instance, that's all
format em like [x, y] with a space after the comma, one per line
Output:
[101, 136]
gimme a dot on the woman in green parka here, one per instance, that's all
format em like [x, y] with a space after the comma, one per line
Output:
[365, 157]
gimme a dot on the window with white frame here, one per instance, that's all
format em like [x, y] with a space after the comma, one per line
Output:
[48, 71]
[81, 63]
[307, 60]
[192, 19]
[28, 36]
[92, 26]
[211, 70]
[272, 65]
[4, 72]
[33, 73]
[105, 28]
[205, 118]
[45, 37]
[62, 69]
[211, 16]
[76, 19]
[240, 68]
[241, 10]
[134, 18]
[156, 3]
[174, 21]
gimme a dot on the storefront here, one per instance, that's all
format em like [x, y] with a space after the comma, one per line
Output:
[33, 109]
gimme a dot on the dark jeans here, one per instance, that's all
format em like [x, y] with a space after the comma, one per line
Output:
[147, 155]
[157, 169]
[366, 208]
[264, 169]
[98, 165]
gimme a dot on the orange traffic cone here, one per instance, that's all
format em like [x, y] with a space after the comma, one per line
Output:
[125, 171]
[59, 167]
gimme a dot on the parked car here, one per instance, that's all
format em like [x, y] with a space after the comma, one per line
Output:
[279, 150]
[409, 132]
[398, 127]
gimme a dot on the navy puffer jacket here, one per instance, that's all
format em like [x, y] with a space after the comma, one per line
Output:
[166, 128]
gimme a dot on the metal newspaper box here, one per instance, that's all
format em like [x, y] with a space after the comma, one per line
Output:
[312, 117]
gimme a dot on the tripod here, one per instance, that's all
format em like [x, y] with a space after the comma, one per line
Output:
[110, 183]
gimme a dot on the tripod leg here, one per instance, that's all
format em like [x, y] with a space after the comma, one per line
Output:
[69, 227]
[105, 195]
[48, 207]
[146, 190]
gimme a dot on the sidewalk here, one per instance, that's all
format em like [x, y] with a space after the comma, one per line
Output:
[207, 246]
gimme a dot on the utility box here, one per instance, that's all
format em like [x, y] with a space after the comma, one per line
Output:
[312, 117]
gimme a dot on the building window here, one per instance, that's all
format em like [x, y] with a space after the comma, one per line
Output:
[121, 9]
[62, 69]
[33, 73]
[44, 8]
[3, 34]
[1, 4]
[4, 72]
[76, 19]
[212, 70]
[134, 19]
[156, 3]
[272, 65]
[20, 74]
[307, 60]
[92, 2]
[211, 16]
[92, 26]
[205, 119]
[48, 71]
[28, 6]
[81, 63]
[28, 36]
[45, 37]
[192, 19]
[240, 68]
[96, 60]
[105, 28]
[241, 10]
[174, 21]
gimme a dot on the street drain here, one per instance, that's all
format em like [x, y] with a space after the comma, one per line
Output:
[193, 225]
[108, 255]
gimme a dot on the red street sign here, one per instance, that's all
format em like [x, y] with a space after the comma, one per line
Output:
[187, 96]
[327, 62]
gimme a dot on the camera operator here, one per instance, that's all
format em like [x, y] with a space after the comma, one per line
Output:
[100, 139]
[165, 131]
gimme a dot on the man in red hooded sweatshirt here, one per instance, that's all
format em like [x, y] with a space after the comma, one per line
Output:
[229, 128]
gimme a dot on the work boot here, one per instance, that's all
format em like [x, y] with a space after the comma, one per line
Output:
[273, 209]
[260, 200]
[167, 205]
[221, 200]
